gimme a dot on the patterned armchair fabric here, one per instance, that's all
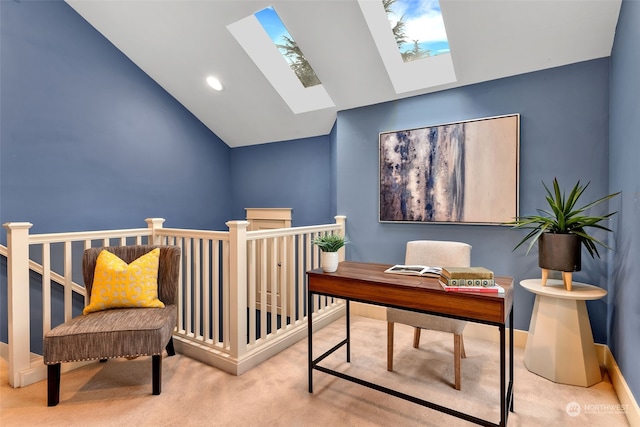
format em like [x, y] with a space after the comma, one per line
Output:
[121, 332]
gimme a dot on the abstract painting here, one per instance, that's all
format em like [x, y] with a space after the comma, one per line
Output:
[464, 172]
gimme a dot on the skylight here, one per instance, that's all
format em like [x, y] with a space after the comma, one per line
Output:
[409, 76]
[289, 49]
[418, 28]
[255, 40]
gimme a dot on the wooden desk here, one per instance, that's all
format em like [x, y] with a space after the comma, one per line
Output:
[560, 343]
[366, 282]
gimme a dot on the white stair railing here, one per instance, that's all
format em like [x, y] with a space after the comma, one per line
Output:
[61, 258]
[241, 300]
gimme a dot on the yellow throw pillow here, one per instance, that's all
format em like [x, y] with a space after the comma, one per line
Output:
[118, 285]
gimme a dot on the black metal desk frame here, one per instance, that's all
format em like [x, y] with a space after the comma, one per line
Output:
[506, 389]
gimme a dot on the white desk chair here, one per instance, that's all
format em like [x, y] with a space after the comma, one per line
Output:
[436, 254]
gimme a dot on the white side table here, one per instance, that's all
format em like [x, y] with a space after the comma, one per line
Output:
[560, 342]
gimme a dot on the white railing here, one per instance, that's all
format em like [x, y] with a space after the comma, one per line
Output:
[242, 293]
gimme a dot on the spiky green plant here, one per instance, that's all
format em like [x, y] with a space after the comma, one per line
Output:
[564, 217]
[329, 242]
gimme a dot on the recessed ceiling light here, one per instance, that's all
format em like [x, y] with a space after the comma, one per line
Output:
[214, 83]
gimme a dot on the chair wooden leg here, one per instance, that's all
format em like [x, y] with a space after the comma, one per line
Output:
[53, 384]
[390, 327]
[156, 362]
[416, 337]
[457, 347]
[170, 350]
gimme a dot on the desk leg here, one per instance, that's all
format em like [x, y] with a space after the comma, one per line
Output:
[348, 320]
[503, 380]
[310, 339]
[511, 359]
[506, 387]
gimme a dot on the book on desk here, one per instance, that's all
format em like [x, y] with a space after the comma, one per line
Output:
[453, 279]
[493, 288]
[469, 279]
[415, 270]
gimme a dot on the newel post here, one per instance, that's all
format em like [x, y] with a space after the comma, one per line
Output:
[18, 300]
[238, 287]
[154, 224]
[342, 221]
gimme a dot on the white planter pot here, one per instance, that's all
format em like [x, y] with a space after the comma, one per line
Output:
[329, 261]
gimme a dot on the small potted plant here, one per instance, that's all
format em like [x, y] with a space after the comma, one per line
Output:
[561, 231]
[329, 245]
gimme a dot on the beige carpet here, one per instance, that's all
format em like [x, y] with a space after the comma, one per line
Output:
[118, 393]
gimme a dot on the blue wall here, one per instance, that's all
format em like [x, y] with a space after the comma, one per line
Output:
[624, 152]
[293, 174]
[89, 142]
[564, 122]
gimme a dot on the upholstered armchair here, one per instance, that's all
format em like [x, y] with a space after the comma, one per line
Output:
[109, 329]
[435, 254]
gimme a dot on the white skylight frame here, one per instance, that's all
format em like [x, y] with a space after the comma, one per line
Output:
[261, 49]
[405, 76]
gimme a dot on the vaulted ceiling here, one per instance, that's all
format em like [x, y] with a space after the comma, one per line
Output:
[178, 43]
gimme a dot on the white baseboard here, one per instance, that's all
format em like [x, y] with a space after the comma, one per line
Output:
[371, 311]
[253, 358]
[625, 396]
[38, 370]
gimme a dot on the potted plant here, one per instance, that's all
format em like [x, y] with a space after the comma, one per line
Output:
[329, 245]
[561, 231]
